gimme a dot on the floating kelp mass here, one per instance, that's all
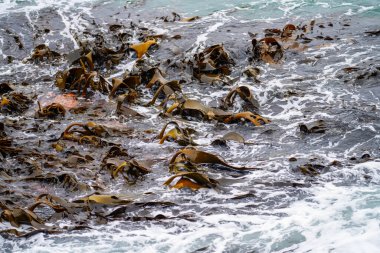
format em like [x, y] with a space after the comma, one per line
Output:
[124, 110]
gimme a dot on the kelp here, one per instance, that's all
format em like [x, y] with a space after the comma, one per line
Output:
[130, 170]
[81, 80]
[65, 79]
[51, 111]
[245, 94]
[255, 119]
[6, 147]
[83, 77]
[202, 157]
[2, 130]
[90, 128]
[155, 76]
[103, 56]
[195, 109]
[271, 49]
[252, 72]
[268, 50]
[129, 83]
[115, 27]
[190, 19]
[155, 81]
[185, 165]
[189, 175]
[212, 64]
[94, 204]
[357, 75]
[373, 33]
[288, 31]
[116, 151]
[85, 133]
[57, 208]
[176, 17]
[64, 180]
[81, 58]
[18, 216]
[14, 102]
[6, 87]
[142, 48]
[104, 200]
[9, 233]
[168, 90]
[152, 78]
[272, 32]
[311, 169]
[97, 54]
[117, 162]
[192, 180]
[66, 166]
[44, 53]
[54, 200]
[180, 135]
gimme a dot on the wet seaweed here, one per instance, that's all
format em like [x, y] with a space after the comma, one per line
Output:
[94, 120]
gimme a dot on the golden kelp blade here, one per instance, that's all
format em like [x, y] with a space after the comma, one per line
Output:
[197, 156]
[142, 48]
[200, 180]
[187, 183]
[191, 105]
[5, 101]
[179, 135]
[256, 119]
[18, 216]
[104, 200]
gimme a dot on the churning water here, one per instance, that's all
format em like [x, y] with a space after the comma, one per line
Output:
[276, 208]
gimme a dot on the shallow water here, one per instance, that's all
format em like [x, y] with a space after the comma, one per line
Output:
[286, 211]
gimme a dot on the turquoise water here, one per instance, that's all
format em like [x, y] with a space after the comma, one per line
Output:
[264, 9]
[260, 9]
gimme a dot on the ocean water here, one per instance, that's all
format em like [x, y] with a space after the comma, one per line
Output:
[336, 211]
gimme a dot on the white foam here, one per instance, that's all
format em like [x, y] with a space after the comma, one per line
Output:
[201, 39]
[372, 165]
[220, 18]
[338, 219]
